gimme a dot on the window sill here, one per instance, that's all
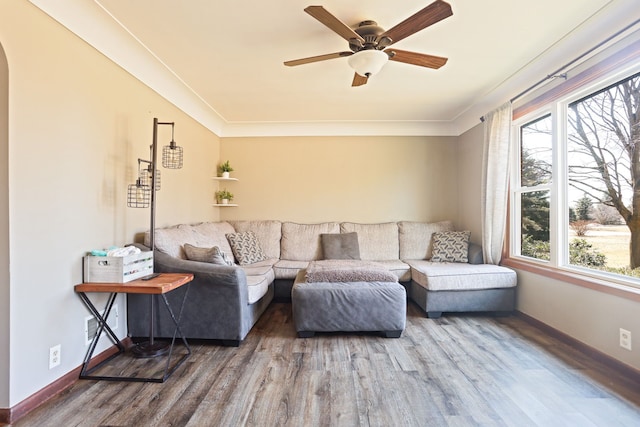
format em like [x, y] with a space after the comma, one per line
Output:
[598, 284]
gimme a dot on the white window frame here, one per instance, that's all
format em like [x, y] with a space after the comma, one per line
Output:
[559, 209]
[518, 189]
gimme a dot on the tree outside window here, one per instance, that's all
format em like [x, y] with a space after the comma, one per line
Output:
[603, 146]
[535, 180]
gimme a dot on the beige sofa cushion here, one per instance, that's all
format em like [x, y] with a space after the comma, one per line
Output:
[268, 233]
[259, 276]
[287, 269]
[378, 242]
[170, 240]
[415, 238]
[211, 233]
[259, 268]
[454, 276]
[399, 268]
[258, 284]
[301, 242]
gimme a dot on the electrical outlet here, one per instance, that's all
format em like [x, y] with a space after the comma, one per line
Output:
[54, 356]
[625, 339]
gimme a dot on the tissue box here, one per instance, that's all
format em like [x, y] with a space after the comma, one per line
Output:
[109, 269]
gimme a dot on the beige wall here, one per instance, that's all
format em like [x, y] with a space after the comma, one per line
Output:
[77, 124]
[359, 179]
[469, 156]
[587, 315]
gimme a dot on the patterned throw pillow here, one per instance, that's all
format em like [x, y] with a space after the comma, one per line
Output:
[246, 248]
[211, 255]
[451, 246]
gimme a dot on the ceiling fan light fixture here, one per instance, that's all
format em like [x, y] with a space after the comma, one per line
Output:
[368, 62]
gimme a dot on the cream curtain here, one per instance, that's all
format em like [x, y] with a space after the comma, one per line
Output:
[495, 181]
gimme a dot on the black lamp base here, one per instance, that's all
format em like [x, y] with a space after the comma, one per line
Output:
[148, 350]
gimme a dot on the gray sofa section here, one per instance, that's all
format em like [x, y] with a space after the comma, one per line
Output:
[434, 303]
[224, 302]
[216, 307]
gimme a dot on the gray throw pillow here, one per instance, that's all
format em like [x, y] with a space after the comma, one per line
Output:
[246, 247]
[451, 246]
[340, 246]
[211, 255]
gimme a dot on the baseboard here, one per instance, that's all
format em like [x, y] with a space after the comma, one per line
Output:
[11, 415]
[624, 369]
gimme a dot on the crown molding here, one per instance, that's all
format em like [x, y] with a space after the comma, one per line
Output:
[341, 128]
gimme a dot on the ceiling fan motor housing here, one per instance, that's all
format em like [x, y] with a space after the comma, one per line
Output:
[370, 32]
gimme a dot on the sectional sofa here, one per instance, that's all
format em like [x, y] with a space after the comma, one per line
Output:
[241, 266]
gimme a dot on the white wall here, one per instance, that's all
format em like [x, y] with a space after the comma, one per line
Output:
[77, 125]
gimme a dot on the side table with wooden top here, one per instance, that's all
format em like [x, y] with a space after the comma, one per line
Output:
[157, 285]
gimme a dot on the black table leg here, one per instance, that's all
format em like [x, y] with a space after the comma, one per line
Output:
[102, 327]
[85, 372]
[176, 322]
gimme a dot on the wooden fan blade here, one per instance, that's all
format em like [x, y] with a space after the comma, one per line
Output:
[333, 23]
[317, 58]
[414, 58]
[358, 80]
[435, 12]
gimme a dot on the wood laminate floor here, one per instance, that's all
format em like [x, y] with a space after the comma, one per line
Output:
[459, 370]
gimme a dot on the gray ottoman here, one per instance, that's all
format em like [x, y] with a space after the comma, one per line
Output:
[348, 307]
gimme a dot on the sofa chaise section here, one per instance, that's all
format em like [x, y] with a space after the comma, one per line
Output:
[439, 287]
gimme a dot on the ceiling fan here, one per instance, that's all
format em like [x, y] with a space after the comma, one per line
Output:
[368, 43]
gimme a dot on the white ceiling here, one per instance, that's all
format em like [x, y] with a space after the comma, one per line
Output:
[222, 60]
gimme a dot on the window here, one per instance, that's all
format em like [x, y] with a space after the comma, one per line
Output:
[533, 196]
[576, 194]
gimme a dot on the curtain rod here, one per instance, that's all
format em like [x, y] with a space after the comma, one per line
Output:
[557, 73]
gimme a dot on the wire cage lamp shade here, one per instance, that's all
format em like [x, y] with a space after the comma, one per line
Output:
[146, 175]
[172, 154]
[138, 195]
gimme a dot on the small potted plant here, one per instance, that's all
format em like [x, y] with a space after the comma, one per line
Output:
[225, 168]
[224, 196]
